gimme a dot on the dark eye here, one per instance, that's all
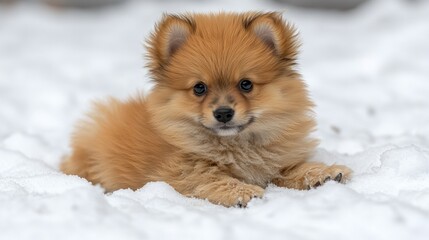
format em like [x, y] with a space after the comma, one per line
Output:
[245, 85]
[200, 89]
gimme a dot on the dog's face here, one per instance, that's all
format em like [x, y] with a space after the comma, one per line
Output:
[225, 74]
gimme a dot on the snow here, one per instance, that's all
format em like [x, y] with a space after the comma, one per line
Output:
[367, 70]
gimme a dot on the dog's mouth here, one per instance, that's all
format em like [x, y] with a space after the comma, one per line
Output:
[230, 130]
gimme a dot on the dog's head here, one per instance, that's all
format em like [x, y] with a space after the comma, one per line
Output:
[226, 75]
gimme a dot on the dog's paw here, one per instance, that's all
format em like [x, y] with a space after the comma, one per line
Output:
[241, 194]
[318, 176]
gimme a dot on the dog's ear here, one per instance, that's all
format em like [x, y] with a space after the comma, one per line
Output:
[169, 36]
[274, 32]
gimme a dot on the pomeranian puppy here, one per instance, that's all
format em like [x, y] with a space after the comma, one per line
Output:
[228, 114]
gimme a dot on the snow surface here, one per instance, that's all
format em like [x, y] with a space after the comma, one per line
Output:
[367, 71]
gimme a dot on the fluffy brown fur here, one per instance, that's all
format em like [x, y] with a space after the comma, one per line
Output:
[172, 134]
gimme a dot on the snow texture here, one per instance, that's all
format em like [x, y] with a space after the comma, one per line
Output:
[367, 70]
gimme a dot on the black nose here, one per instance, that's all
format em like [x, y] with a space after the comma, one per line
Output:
[223, 114]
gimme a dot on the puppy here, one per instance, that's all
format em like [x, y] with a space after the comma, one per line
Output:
[228, 115]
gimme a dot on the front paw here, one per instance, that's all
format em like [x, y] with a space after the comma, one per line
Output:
[238, 194]
[318, 176]
[246, 193]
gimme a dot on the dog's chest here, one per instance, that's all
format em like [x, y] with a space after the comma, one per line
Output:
[246, 162]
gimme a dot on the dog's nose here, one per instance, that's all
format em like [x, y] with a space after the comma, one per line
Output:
[223, 114]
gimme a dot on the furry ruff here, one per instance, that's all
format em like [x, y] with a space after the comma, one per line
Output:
[228, 114]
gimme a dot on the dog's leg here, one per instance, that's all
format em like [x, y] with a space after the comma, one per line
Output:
[203, 179]
[309, 175]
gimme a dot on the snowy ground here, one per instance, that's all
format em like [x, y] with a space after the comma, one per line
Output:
[367, 71]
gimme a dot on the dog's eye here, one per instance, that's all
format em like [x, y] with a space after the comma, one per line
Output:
[200, 89]
[245, 85]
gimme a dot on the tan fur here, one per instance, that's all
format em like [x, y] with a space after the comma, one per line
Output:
[168, 136]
